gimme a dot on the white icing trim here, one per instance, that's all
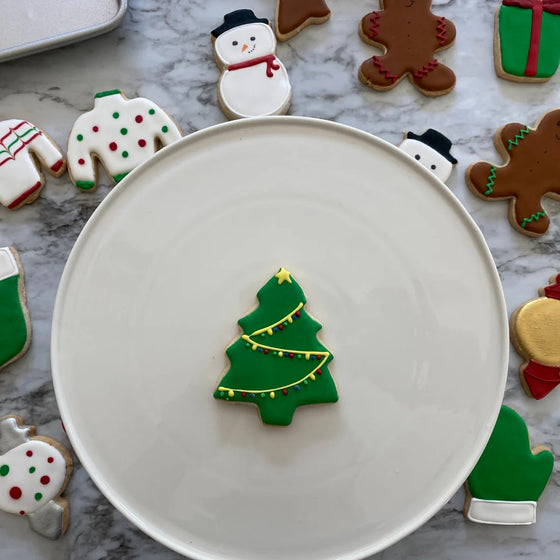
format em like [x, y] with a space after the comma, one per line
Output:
[8, 264]
[496, 512]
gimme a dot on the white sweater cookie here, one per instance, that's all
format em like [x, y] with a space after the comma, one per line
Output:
[121, 133]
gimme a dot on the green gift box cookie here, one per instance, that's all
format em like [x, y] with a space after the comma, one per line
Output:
[527, 39]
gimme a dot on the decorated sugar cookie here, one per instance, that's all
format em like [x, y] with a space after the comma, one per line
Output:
[535, 334]
[292, 16]
[410, 35]
[25, 151]
[121, 133]
[278, 364]
[253, 83]
[531, 171]
[432, 150]
[509, 478]
[34, 471]
[15, 323]
[526, 40]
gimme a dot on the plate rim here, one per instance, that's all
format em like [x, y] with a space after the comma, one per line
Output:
[118, 190]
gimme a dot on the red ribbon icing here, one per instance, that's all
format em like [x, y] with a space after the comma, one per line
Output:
[553, 291]
[537, 7]
[541, 379]
[269, 59]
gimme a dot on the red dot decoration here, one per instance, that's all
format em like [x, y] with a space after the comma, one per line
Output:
[113, 146]
[244, 394]
[266, 350]
[22, 512]
[285, 391]
[142, 143]
[15, 493]
[281, 327]
[45, 480]
[50, 460]
[95, 129]
[291, 355]
[81, 161]
[298, 314]
[319, 357]
[29, 453]
[319, 372]
[139, 118]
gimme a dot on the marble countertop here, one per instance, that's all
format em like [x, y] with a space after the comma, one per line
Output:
[163, 52]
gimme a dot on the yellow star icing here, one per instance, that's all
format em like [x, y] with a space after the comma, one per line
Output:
[283, 275]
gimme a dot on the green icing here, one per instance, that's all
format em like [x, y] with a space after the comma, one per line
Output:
[107, 93]
[507, 469]
[533, 218]
[4, 470]
[490, 183]
[120, 176]
[515, 34]
[258, 373]
[518, 137]
[85, 185]
[13, 327]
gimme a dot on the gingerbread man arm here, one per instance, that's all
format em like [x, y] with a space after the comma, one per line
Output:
[372, 29]
[509, 136]
[445, 33]
[484, 179]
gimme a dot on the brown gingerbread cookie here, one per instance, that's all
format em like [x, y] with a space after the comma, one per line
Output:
[294, 15]
[531, 171]
[410, 34]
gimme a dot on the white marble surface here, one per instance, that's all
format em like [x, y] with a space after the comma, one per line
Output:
[163, 52]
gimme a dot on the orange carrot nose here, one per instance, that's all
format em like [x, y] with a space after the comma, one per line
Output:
[244, 48]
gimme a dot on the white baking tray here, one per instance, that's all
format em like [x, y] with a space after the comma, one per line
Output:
[36, 25]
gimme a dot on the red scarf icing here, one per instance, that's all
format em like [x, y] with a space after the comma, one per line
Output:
[269, 59]
[537, 6]
[541, 379]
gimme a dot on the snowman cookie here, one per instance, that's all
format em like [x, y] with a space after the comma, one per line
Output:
[432, 150]
[253, 82]
[292, 16]
[15, 323]
[24, 151]
[121, 133]
[34, 471]
[535, 334]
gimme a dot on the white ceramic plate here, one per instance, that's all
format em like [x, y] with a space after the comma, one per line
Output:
[392, 266]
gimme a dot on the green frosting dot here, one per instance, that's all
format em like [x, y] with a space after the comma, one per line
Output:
[4, 470]
[80, 137]
[164, 129]
[125, 154]
[263, 395]
[38, 496]
[115, 115]
[299, 356]
[124, 131]
[32, 470]
[152, 111]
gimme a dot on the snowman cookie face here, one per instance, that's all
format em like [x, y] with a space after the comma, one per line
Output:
[244, 43]
[428, 157]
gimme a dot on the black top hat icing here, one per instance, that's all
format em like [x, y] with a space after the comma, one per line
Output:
[237, 18]
[436, 140]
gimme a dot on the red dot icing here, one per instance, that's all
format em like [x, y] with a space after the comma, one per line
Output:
[50, 460]
[284, 391]
[113, 146]
[142, 143]
[15, 493]
[29, 453]
[81, 161]
[139, 119]
[281, 327]
[95, 129]
[22, 512]
[45, 480]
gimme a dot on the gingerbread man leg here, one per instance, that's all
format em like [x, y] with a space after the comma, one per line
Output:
[379, 72]
[529, 216]
[434, 78]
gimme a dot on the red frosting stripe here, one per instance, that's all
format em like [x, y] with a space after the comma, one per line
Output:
[541, 379]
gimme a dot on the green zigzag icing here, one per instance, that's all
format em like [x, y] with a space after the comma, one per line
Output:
[490, 183]
[534, 217]
[520, 136]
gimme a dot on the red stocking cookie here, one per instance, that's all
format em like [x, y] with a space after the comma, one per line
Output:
[531, 171]
[410, 34]
[24, 151]
[535, 333]
[34, 471]
[294, 15]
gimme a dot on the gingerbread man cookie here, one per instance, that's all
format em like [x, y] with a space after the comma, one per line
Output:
[531, 171]
[535, 334]
[292, 16]
[410, 34]
[34, 471]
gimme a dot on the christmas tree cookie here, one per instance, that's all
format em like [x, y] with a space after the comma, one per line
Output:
[509, 477]
[24, 151]
[15, 323]
[121, 133]
[34, 471]
[535, 333]
[278, 363]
